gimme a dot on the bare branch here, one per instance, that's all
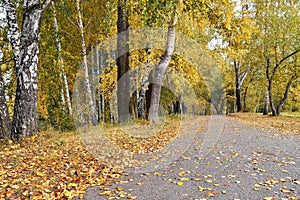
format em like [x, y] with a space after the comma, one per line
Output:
[76, 26]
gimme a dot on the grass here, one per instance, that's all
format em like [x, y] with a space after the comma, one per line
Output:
[295, 115]
[285, 123]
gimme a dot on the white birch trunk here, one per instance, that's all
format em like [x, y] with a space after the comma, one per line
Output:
[90, 102]
[61, 63]
[93, 82]
[159, 71]
[26, 50]
[5, 123]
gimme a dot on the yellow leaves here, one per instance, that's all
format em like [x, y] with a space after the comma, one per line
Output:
[62, 176]
[157, 138]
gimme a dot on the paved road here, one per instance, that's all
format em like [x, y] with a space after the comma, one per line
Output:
[228, 160]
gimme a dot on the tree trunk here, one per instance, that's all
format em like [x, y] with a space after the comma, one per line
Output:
[5, 123]
[26, 51]
[266, 104]
[123, 93]
[141, 101]
[285, 97]
[61, 65]
[270, 90]
[245, 99]
[93, 82]
[239, 78]
[156, 76]
[92, 110]
[178, 105]
[98, 90]
[141, 113]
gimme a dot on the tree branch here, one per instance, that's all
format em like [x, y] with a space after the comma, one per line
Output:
[283, 59]
[45, 4]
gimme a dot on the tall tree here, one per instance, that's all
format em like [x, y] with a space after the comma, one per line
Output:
[123, 93]
[65, 94]
[157, 74]
[280, 47]
[87, 85]
[237, 31]
[5, 123]
[25, 45]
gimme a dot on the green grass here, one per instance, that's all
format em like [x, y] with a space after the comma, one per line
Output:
[294, 115]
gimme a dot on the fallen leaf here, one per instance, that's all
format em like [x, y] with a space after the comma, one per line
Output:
[286, 191]
[210, 194]
[201, 188]
[180, 183]
[40, 174]
[105, 193]
[157, 174]
[181, 173]
[184, 179]
[297, 182]
[269, 198]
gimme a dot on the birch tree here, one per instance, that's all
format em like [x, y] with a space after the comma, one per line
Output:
[25, 45]
[87, 85]
[157, 74]
[65, 94]
[5, 123]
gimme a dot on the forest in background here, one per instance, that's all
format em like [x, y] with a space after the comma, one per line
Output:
[254, 45]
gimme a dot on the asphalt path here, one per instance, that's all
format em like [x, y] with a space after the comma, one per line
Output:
[227, 160]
